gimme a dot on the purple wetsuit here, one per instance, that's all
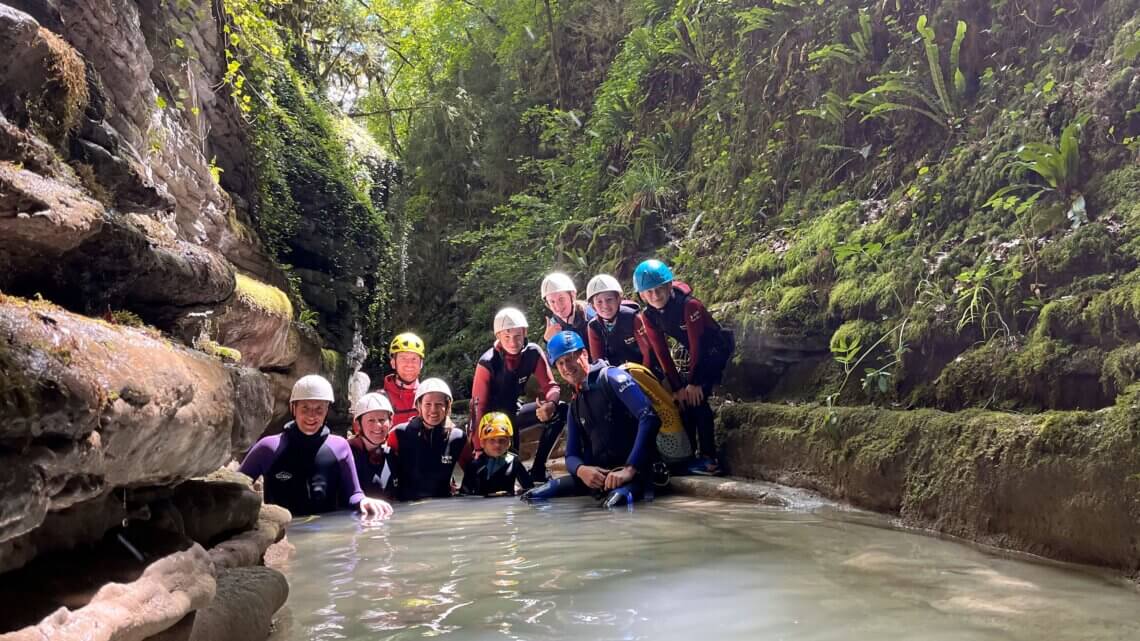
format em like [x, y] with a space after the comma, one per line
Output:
[305, 473]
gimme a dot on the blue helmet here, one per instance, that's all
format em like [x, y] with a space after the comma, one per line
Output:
[563, 343]
[651, 273]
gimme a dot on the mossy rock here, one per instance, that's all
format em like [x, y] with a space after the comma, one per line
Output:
[221, 352]
[262, 296]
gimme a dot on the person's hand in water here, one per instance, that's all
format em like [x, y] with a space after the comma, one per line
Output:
[593, 477]
[375, 508]
[620, 477]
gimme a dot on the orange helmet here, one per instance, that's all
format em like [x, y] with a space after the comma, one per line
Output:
[494, 425]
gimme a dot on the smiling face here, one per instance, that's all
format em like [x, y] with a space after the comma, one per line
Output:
[374, 427]
[433, 408]
[513, 340]
[573, 367]
[497, 446]
[561, 303]
[407, 366]
[606, 304]
[309, 415]
[659, 296]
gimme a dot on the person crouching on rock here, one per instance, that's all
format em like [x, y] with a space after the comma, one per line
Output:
[371, 423]
[308, 470]
[501, 375]
[568, 314]
[616, 334]
[428, 446]
[611, 431]
[406, 356]
[498, 470]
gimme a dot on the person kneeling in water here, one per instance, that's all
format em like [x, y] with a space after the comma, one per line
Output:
[428, 446]
[371, 423]
[498, 469]
[610, 433]
[307, 469]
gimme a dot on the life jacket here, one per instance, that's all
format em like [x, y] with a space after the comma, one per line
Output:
[403, 398]
[375, 470]
[717, 344]
[608, 429]
[583, 314]
[426, 459]
[508, 384]
[619, 342]
[304, 476]
[672, 442]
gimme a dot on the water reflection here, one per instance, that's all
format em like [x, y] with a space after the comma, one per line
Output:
[675, 569]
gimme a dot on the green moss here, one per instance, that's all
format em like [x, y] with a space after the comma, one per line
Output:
[264, 297]
[221, 352]
[332, 362]
[871, 297]
[1089, 250]
[1121, 368]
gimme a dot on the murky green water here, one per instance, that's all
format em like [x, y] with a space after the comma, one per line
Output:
[676, 569]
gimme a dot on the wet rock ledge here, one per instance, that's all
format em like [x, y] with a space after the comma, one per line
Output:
[1064, 485]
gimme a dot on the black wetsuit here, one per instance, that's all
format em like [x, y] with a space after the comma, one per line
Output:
[425, 459]
[305, 473]
[479, 479]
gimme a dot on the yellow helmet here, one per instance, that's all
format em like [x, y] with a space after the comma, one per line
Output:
[406, 342]
[494, 425]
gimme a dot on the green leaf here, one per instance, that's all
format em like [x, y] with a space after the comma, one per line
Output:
[159, 101]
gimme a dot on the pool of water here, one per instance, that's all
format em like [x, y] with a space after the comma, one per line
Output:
[679, 568]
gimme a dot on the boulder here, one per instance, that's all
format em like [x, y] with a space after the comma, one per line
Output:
[258, 322]
[253, 407]
[41, 217]
[211, 510]
[243, 610]
[91, 406]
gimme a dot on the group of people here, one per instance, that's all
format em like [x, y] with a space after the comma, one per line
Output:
[636, 415]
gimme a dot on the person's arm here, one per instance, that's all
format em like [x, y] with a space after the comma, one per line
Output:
[656, 339]
[349, 482]
[573, 444]
[642, 341]
[697, 322]
[597, 343]
[648, 423]
[480, 400]
[260, 457]
[469, 480]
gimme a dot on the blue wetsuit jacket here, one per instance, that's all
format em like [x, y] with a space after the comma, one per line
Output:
[611, 422]
[305, 473]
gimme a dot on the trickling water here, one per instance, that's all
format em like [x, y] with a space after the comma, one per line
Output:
[678, 568]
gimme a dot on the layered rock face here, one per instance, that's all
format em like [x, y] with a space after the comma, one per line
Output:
[147, 336]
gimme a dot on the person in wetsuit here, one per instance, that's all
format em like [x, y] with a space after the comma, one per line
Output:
[498, 470]
[371, 423]
[611, 430]
[615, 333]
[427, 446]
[673, 311]
[500, 379]
[559, 294]
[306, 469]
[406, 356]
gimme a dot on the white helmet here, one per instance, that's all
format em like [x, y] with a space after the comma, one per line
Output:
[372, 402]
[509, 318]
[557, 282]
[431, 385]
[312, 388]
[602, 283]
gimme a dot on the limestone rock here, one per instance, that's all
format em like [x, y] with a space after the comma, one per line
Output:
[243, 610]
[248, 548]
[258, 322]
[211, 509]
[162, 413]
[40, 216]
[253, 408]
[167, 591]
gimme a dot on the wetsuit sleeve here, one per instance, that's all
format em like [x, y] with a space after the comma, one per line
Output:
[260, 457]
[648, 423]
[470, 474]
[597, 346]
[642, 341]
[656, 340]
[350, 484]
[697, 322]
[480, 400]
[545, 380]
[573, 444]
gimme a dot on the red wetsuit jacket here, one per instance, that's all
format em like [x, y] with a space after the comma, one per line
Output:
[689, 323]
[403, 396]
[500, 378]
